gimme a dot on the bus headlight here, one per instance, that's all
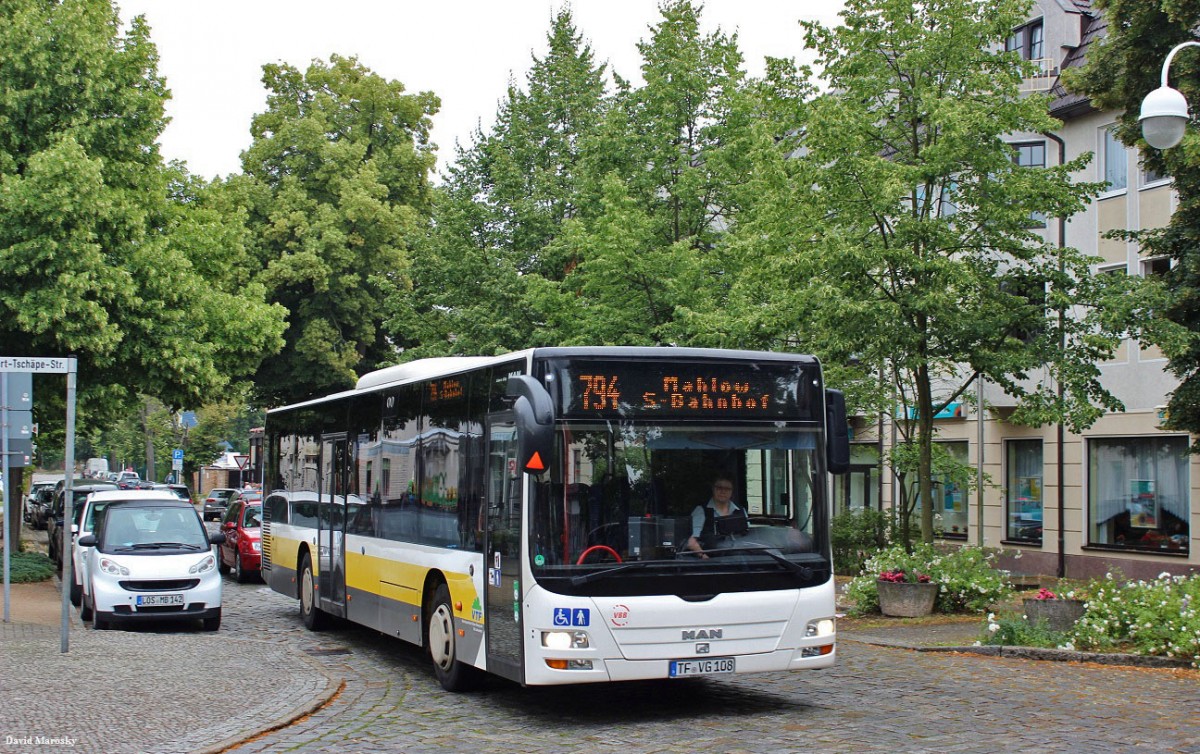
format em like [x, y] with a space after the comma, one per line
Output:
[822, 627]
[565, 639]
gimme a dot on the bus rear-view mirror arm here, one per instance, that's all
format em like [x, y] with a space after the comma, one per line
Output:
[534, 410]
[837, 433]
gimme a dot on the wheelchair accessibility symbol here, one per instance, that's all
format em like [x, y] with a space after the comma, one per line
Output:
[565, 616]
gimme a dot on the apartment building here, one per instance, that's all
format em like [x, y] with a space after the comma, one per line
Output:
[1123, 496]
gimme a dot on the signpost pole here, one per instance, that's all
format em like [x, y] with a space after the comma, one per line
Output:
[8, 545]
[68, 505]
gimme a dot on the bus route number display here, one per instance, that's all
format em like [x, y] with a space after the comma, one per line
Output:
[682, 391]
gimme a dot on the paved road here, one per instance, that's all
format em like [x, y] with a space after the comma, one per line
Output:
[876, 699]
[353, 690]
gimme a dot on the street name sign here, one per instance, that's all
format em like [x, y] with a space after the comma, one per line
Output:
[35, 364]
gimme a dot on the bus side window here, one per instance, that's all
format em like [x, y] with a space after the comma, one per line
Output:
[276, 509]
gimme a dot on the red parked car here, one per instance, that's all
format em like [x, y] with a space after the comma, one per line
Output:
[242, 550]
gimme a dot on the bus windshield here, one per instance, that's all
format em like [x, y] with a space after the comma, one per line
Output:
[637, 492]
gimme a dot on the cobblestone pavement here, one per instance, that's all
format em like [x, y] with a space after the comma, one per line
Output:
[184, 690]
[875, 699]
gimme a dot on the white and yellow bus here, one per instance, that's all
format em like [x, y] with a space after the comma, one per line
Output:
[542, 515]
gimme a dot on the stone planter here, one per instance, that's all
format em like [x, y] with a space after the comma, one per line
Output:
[902, 599]
[1056, 614]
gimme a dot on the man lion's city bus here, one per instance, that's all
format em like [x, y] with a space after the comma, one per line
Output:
[529, 515]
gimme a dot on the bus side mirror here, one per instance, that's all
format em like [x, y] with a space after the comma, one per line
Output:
[534, 411]
[837, 433]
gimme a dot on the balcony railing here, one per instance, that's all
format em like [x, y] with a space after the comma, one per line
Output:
[1043, 77]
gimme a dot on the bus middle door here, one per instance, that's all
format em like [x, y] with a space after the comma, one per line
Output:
[331, 544]
[502, 550]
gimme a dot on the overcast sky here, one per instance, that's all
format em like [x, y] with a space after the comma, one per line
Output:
[464, 51]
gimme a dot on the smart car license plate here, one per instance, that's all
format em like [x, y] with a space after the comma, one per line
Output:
[159, 600]
[707, 666]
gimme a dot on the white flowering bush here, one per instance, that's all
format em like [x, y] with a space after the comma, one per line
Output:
[1159, 617]
[966, 579]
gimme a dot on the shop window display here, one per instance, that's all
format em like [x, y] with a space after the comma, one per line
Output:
[1138, 493]
[1023, 489]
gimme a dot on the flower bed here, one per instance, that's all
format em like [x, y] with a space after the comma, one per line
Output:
[1159, 617]
[966, 580]
[1155, 618]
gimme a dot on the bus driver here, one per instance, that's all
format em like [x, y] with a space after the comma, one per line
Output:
[719, 517]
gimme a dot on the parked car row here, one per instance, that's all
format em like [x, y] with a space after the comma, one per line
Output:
[55, 522]
[38, 503]
[140, 554]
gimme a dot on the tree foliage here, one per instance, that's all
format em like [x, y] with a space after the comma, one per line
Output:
[503, 205]
[912, 246]
[98, 242]
[336, 191]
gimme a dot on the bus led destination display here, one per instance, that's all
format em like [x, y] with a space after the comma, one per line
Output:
[633, 389]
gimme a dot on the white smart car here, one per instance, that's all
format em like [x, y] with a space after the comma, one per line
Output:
[150, 558]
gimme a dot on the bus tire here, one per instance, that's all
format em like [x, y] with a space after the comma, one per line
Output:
[440, 638]
[310, 613]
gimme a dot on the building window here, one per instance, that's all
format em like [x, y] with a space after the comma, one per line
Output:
[1156, 267]
[949, 497]
[858, 488]
[1116, 163]
[1024, 464]
[1151, 176]
[1028, 41]
[1032, 156]
[1138, 493]
[1031, 290]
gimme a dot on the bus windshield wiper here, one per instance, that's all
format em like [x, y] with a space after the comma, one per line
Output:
[596, 575]
[773, 553]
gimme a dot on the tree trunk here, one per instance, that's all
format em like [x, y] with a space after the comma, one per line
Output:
[15, 485]
[149, 442]
[925, 446]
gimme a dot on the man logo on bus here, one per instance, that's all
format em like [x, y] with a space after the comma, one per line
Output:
[703, 633]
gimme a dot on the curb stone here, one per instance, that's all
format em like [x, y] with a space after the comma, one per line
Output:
[1033, 653]
[333, 687]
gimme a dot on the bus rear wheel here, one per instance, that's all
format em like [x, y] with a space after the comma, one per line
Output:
[440, 637]
[313, 617]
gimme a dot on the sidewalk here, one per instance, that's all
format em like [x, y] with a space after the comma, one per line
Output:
[119, 691]
[951, 633]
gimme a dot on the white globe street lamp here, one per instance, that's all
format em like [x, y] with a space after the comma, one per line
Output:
[1164, 111]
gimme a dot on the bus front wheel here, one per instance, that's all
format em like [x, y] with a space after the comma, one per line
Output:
[313, 617]
[451, 673]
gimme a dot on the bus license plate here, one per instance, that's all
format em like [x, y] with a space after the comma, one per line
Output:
[159, 600]
[707, 666]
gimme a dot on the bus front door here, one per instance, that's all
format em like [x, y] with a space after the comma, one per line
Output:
[502, 551]
[331, 546]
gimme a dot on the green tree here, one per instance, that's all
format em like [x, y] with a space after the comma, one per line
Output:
[503, 205]
[1121, 70]
[917, 254]
[96, 243]
[336, 190]
[660, 190]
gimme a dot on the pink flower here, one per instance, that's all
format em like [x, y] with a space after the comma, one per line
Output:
[1045, 594]
[897, 577]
